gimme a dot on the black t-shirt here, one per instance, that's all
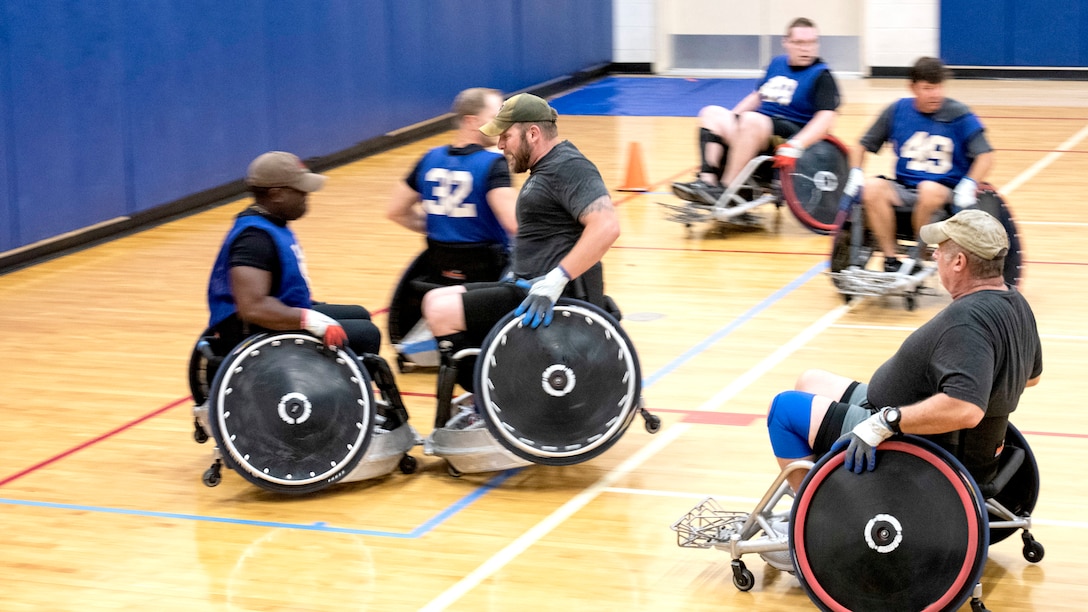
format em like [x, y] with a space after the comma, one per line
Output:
[982, 349]
[560, 187]
[255, 248]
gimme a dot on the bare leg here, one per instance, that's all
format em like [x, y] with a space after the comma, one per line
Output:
[444, 310]
[879, 202]
[753, 132]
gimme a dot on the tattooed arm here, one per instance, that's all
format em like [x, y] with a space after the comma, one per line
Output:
[602, 228]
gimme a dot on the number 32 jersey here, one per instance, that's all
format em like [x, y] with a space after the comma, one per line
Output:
[453, 184]
[931, 147]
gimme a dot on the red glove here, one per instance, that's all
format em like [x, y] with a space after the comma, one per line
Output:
[324, 327]
[786, 155]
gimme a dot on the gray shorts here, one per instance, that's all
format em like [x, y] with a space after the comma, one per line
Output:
[842, 417]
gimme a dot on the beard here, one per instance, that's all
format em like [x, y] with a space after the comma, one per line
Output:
[519, 160]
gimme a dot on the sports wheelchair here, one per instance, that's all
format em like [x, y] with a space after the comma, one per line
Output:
[441, 264]
[853, 246]
[811, 189]
[911, 535]
[556, 395]
[292, 415]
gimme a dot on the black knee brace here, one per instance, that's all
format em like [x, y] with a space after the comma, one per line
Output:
[706, 137]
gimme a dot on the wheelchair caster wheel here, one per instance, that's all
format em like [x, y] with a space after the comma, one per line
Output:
[199, 434]
[1033, 550]
[653, 423]
[452, 471]
[978, 606]
[742, 576]
[403, 366]
[212, 476]
[408, 464]
[911, 303]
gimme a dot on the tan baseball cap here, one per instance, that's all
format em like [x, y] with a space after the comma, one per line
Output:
[975, 230]
[522, 108]
[282, 169]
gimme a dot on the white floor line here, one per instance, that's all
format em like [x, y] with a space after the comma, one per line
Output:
[1047, 159]
[656, 444]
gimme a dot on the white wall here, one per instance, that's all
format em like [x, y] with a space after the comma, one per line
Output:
[900, 31]
[893, 33]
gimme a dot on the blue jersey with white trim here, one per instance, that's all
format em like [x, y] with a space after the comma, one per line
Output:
[454, 191]
[929, 149]
[788, 92]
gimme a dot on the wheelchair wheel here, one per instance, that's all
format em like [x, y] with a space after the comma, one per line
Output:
[561, 394]
[814, 187]
[990, 201]
[203, 364]
[910, 535]
[405, 309]
[1022, 491]
[289, 414]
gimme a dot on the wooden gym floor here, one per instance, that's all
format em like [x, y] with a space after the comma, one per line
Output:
[100, 486]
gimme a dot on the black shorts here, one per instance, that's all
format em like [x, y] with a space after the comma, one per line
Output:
[485, 304]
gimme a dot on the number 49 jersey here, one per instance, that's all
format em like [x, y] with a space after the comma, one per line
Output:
[453, 184]
[932, 147]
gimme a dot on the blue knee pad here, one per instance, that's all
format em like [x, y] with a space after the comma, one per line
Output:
[788, 422]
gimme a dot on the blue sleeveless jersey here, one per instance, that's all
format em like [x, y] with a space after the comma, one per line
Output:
[294, 289]
[454, 192]
[788, 93]
[931, 150]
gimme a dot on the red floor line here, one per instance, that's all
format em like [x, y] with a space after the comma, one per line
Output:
[95, 440]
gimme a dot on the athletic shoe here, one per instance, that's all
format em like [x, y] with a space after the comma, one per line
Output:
[779, 559]
[699, 192]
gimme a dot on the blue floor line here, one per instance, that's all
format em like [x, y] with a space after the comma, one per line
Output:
[465, 501]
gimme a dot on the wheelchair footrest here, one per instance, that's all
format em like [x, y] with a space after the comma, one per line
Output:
[708, 525]
[861, 282]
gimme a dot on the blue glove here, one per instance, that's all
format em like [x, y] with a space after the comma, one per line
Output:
[864, 438]
[965, 195]
[543, 293]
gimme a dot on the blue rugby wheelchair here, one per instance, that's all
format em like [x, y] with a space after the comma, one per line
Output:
[556, 395]
[294, 416]
[911, 535]
[811, 190]
[853, 246]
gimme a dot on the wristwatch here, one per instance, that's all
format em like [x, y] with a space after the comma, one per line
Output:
[892, 416]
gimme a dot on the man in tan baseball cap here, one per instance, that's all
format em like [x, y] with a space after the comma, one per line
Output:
[259, 280]
[282, 169]
[975, 230]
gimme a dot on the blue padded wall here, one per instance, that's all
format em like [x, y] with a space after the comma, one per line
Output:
[1035, 33]
[114, 107]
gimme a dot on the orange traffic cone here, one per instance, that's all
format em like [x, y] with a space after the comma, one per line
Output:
[636, 173]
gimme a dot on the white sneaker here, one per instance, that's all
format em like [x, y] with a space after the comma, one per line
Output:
[779, 559]
[467, 418]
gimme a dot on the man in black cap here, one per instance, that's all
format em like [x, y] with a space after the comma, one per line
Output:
[566, 223]
[259, 280]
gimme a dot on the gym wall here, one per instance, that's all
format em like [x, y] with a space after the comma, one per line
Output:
[115, 108]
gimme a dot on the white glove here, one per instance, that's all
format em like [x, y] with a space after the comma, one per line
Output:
[864, 438]
[786, 155]
[323, 326]
[854, 182]
[965, 195]
[543, 294]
